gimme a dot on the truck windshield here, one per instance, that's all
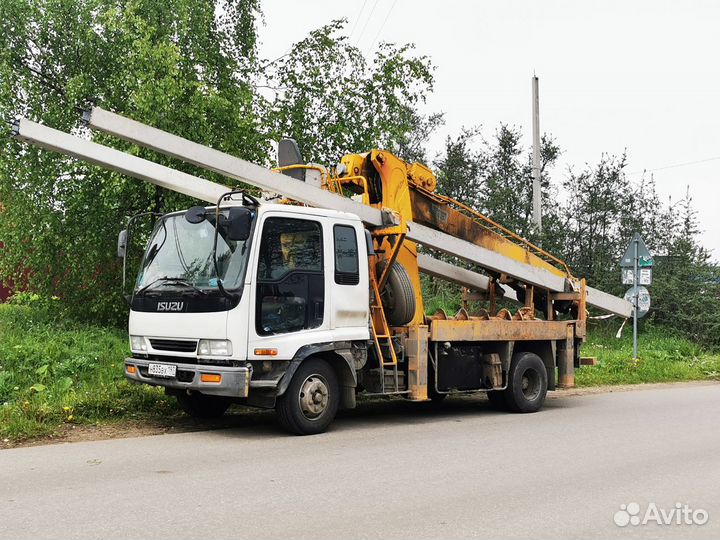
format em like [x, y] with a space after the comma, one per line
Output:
[180, 255]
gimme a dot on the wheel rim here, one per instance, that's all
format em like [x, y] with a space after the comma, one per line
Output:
[314, 396]
[530, 384]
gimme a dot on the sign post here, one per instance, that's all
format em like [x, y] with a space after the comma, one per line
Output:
[635, 298]
[636, 268]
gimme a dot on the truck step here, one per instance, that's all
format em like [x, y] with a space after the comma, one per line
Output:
[371, 381]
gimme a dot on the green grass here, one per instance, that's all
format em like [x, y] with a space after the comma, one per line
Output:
[662, 357]
[54, 372]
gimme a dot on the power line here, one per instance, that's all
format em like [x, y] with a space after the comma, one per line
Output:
[357, 18]
[675, 165]
[367, 21]
[380, 29]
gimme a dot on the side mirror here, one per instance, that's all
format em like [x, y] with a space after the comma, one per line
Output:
[122, 244]
[122, 248]
[238, 223]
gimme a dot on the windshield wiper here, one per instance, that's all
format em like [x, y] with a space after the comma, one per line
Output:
[175, 280]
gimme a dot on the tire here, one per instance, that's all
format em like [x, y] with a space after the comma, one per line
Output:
[311, 401]
[527, 384]
[398, 295]
[202, 406]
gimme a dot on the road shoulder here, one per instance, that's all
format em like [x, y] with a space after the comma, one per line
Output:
[71, 433]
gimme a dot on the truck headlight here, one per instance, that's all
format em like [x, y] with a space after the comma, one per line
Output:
[215, 347]
[137, 344]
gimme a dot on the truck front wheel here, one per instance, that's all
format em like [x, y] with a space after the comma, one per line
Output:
[311, 401]
[203, 406]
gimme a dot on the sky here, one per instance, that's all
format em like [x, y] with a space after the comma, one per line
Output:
[641, 76]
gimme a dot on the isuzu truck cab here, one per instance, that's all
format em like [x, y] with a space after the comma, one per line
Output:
[229, 302]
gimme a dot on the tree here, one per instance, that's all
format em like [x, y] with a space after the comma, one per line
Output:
[686, 283]
[604, 208]
[188, 67]
[332, 101]
[588, 220]
[495, 177]
[171, 64]
[461, 170]
[597, 199]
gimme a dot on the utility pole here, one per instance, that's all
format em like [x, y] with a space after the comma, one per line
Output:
[537, 209]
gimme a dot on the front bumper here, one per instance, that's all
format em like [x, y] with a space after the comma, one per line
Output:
[234, 382]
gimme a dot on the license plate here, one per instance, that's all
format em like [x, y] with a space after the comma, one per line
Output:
[161, 370]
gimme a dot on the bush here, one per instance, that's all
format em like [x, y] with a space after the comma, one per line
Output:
[55, 371]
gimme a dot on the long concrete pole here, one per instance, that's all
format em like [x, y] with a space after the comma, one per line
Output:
[197, 187]
[255, 175]
[250, 173]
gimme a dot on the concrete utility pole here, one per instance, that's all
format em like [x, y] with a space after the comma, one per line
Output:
[537, 210]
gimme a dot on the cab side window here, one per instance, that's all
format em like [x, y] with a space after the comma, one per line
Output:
[291, 287]
[347, 271]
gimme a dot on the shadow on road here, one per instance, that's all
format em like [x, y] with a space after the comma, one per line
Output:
[370, 412]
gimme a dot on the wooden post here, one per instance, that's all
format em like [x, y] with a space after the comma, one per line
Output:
[566, 360]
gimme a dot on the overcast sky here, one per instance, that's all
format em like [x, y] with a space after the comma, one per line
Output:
[642, 76]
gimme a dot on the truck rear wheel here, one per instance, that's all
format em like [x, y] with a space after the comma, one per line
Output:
[527, 385]
[203, 406]
[311, 401]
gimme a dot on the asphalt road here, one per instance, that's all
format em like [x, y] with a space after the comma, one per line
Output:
[387, 470]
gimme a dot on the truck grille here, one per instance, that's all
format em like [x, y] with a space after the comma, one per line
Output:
[174, 345]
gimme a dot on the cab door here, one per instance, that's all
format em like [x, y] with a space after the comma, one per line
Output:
[350, 292]
[289, 288]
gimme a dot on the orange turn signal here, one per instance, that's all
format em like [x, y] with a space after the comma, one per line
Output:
[131, 369]
[266, 352]
[210, 377]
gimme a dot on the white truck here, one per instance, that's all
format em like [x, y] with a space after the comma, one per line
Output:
[301, 305]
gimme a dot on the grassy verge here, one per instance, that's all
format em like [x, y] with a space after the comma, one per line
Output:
[662, 357]
[54, 372]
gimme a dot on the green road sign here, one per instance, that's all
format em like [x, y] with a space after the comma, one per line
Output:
[644, 257]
